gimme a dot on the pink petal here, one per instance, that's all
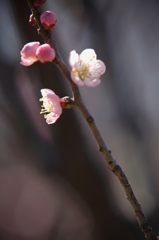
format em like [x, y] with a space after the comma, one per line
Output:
[29, 50]
[52, 118]
[55, 101]
[45, 53]
[76, 79]
[27, 62]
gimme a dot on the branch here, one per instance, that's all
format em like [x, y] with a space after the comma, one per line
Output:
[78, 102]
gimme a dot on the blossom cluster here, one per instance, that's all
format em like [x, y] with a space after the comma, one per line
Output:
[33, 51]
[86, 68]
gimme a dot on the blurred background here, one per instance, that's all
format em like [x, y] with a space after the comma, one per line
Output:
[53, 182]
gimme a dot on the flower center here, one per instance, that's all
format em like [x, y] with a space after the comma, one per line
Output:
[82, 72]
[47, 106]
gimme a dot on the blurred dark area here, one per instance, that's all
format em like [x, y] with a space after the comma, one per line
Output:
[54, 185]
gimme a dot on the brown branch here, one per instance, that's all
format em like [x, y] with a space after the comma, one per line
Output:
[78, 102]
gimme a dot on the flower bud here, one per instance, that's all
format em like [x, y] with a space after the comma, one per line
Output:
[38, 3]
[28, 53]
[45, 53]
[32, 21]
[48, 20]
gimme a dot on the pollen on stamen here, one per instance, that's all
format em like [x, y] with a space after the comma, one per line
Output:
[42, 111]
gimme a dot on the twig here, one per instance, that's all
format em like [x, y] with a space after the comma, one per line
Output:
[78, 102]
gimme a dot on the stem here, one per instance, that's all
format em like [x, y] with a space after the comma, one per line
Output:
[78, 102]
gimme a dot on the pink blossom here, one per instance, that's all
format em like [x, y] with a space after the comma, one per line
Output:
[45, 53]
[28, 53]
[33, 51]
[86, 68]
[51, 106]
[48, 20]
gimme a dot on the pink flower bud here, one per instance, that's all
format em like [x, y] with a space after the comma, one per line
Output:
[38, 3]
[32, 21]
[28, 53]
[48, 20]
[45, 53]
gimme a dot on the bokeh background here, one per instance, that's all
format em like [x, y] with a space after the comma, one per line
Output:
[53, 182]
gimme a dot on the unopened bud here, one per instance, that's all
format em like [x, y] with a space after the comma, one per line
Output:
[38, 3]
[48, 20]
[45, 53]
[33, 21]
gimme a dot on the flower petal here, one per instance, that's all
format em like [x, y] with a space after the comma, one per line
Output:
[76, 79]
[27, 62]
[92, 83]
[45, 53]
[29, 50]
[51, 118]
[45, 91]
[88, 55]
[98, 68]
[73, 58]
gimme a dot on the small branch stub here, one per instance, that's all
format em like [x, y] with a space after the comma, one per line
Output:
[66, 102]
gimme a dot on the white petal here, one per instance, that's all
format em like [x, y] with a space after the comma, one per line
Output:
[45, 91]
[74, 57]
[88, 55]
[76, 79]
[92, 83]
[78, 66]
[97, 69]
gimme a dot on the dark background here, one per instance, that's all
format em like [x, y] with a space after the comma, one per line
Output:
[53, 182]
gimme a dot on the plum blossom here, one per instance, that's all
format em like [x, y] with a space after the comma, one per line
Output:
[45, 53]
[51, 105]
[33, 52]
[48, 20]
[86, 68]
[28, 53]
